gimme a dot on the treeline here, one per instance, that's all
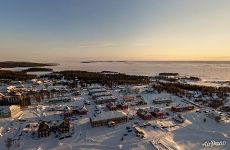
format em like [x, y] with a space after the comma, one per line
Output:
[15, 75]
[168, 74]
[37, 69]
[166, 78]
[169, 89]
[204, 89]
[191, 78]
[180, 88]
[105, 79]
[174, 79]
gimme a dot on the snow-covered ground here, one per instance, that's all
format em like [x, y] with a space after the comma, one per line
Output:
[164, 133]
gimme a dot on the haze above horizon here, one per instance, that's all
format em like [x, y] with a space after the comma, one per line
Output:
[131, 30]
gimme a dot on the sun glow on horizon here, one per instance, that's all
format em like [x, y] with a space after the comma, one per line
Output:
[115, 30]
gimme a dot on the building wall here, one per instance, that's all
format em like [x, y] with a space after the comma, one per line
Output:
[104, 101]
[105, 122]
[14, 110]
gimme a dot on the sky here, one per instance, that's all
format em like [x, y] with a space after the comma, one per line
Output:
[146, 30]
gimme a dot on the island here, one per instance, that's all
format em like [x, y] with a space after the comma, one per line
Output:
[101, 61]
[14, 64]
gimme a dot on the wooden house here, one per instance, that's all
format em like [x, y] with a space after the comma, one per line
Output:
[111, 106]
[182, 108]
[43, 130]
[157, 113]
[144, 114]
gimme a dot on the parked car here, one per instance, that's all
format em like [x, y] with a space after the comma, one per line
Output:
[179, 118]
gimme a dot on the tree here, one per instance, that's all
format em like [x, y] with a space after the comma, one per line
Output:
[9, 142]
[204, 120]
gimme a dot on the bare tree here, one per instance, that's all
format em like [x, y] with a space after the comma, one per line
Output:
[9, 143]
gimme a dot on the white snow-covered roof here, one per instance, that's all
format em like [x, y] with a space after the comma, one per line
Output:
[162, 99]
[97, 90]
[58, 87]
[108, 115]
[102, 94]
[105, 98]
[4, 109]
[94, 87]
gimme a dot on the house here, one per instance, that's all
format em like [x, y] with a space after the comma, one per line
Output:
[116, 106]
[128, 98]
[82, 110]
[15, 99]
[60, 100]
[94, 91]
[43, 130]
[111, 106]
[94, 87]
[30, 128]
[226, 108]
[216, 103]
[105, 99]
[64, 127]
[105, 118]
[157, 113]
[141, 102]
[144, 114]
[96, 95]
[69, 112]
[162, 100]
[122, 106]
[182, 108]
[10, 111]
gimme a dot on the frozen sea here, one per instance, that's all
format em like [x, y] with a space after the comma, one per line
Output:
[207, 70]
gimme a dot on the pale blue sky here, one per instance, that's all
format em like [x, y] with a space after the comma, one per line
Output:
[50, 30]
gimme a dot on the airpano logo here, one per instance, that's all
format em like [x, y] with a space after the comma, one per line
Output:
[214, 143]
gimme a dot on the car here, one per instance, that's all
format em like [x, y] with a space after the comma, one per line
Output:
[127, 128]
[87, 103]
[98, 111]
[179, 118]
[131, 118]
[61, 138]
[147, 124]
[68, 136]
[130, 130]
[141, 125]
[125, 134]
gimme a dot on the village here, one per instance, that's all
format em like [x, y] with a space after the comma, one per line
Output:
[45, 113]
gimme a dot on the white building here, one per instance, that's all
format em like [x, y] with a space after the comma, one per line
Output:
[104, 118]
[9, 111]
[105, 99]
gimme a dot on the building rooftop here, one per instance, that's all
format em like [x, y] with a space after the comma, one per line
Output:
[105, 98]
[101, 94]
[108, 115]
